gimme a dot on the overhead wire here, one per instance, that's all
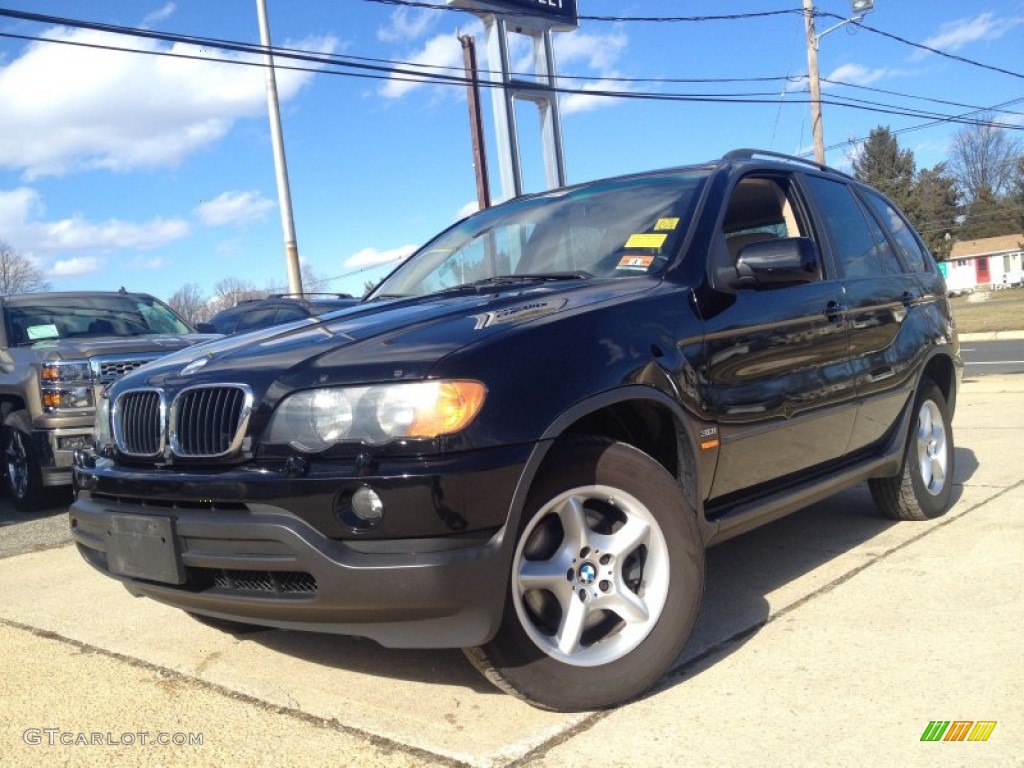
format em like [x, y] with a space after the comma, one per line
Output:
[409, 72]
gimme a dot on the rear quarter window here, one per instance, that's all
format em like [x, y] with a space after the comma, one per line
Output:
[901, 232]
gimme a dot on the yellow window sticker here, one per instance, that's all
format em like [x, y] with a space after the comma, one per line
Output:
[635, 261]
[666, 225]
[646, 241]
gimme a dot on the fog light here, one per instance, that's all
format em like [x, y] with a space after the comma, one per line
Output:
[364, 511]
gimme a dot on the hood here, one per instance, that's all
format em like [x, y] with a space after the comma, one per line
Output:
[71, 348]
[376, 341]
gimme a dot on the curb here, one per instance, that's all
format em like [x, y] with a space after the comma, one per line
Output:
[993, 336]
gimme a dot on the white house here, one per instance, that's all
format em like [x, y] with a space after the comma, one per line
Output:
[992, 262]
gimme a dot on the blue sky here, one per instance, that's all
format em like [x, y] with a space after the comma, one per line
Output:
[151, 172]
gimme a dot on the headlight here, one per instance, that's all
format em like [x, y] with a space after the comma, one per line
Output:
[66, 385]
[101, 426]
[316, 419]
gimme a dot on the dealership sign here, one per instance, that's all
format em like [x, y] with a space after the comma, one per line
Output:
[563, 12]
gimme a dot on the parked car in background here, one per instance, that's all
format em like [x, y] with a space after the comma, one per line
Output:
[57, 352]
[523, 440]
[279, 308]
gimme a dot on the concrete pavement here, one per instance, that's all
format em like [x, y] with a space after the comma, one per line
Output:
[830, 637]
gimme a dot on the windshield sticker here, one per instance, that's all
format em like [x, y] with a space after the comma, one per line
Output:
[646, 241]
[48, 331]
[666, 225]
[517, 314]
[635, 261]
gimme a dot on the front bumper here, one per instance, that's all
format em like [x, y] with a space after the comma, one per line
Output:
[258, 561]
[54, 449]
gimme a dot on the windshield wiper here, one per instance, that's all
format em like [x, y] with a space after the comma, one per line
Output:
[383, 296]
[541, 277]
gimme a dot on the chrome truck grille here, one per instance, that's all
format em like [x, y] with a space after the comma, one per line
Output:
[111, 368]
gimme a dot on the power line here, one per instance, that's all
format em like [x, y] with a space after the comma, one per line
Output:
[400, 74]
[582, 17]
[929, 124]
[921, 46]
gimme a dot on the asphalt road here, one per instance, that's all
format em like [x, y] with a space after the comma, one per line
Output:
[992, 358]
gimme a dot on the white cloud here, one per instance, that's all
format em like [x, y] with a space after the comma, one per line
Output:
[599, 52]
[407, 24]
[23, 224]
[469, 208]
[77, 266]
[955, 35]
[855, 74]
[234, 208]
[571, 103]
[69, 108]
[160, 14]
[154, 264]
[441, 54]
[371, 257]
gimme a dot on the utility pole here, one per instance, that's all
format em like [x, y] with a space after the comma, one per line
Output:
[476, 123]
[815, 80]
[291, 249]
[859, 8]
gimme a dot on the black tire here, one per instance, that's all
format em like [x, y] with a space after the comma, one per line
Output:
[922, 489]
[22, 475]
[587, 628]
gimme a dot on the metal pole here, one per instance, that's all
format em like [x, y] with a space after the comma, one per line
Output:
[505, 133]
[476, 123]
[291, 249]
[815, 79]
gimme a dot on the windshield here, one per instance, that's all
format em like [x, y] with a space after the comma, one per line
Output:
[612, 229]
[62, 317]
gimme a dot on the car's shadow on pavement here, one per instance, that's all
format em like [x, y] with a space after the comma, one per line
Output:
[742, 574]
[747, 579]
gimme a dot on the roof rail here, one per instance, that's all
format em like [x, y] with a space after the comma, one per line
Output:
[307, 294]
[748, 154]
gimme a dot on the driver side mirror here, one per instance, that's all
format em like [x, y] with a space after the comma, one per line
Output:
[782, 261]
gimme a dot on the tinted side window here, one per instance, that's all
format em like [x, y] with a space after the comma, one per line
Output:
[287, 314]
[855, 250]
[890, 263]
[901, 232]
[257, 318]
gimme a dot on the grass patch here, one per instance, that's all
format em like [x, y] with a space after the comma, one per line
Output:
[1003, 310]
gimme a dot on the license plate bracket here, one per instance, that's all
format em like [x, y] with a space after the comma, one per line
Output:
[144, 547]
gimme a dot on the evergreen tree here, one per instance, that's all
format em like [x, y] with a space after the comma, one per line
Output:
[889, 169]
[989, 215]
[938, 205]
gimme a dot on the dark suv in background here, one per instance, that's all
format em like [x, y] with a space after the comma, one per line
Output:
[523, 440]
[253, 314]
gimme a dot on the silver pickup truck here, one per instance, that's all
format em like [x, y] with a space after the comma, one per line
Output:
[57, 353]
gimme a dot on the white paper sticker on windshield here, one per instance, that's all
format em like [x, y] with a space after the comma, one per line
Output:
[36, 332]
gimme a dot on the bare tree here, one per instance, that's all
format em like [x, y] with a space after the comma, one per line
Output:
[190, 302]
[18, 274]
[312, 281]
[231, 290]
[983, 159]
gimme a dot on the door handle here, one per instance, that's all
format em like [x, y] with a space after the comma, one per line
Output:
[836, 312]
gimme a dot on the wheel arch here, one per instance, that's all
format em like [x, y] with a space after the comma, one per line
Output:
[941, 369]
[640, 416]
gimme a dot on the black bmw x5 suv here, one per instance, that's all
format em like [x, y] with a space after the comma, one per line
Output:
[523, 440]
